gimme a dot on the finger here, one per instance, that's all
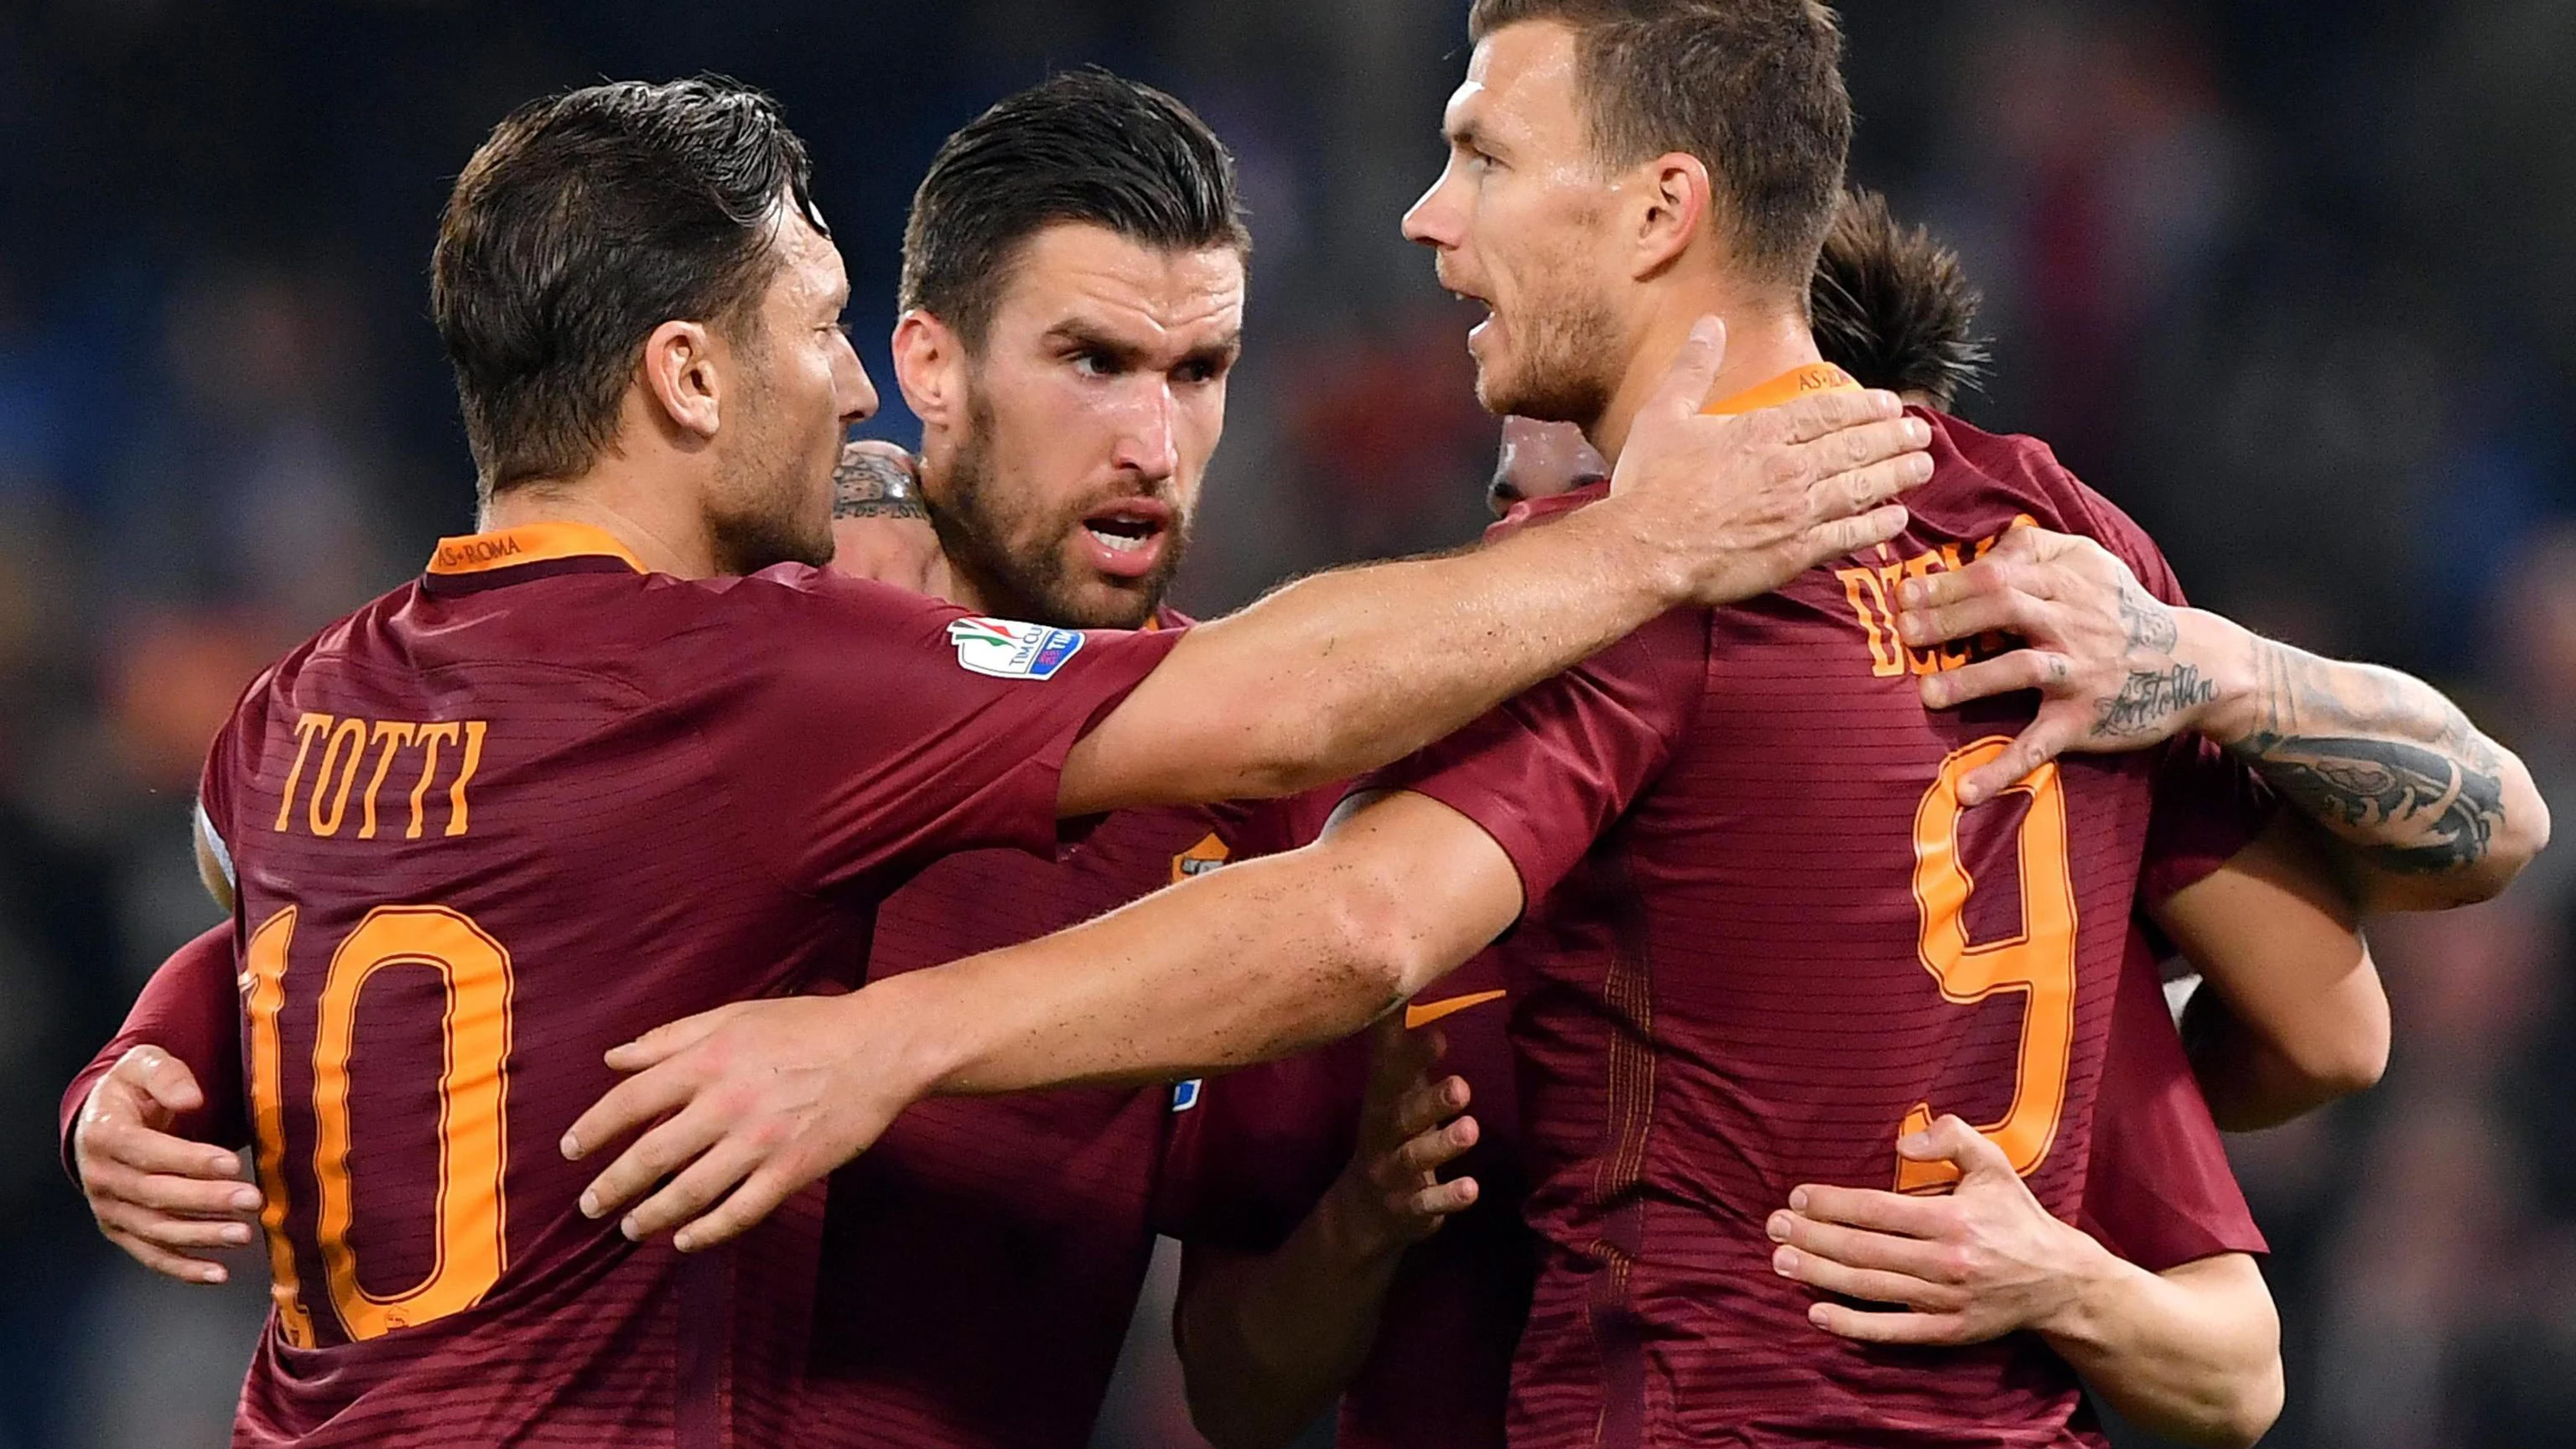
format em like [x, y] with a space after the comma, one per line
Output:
[650, 1094]
[2041, 669]
[1821, 415]
[1837, 537]
[1860, 1248]
[717, 1171]
[1869, 1285]
[126, 1144]
[1847, 466]
[1431, 1151]
[1431, 1104]
[163, 1193]
[1862, 1327]
[2042, 741]
[1991, 609]
[1951, 1139]
[169, 1264]
[671, 1038]
[1684, 389]
[757, 1198]
[164, 1078]
[1872, 1208]
[176, 1234]
[654, 1156]
[1442, 1199]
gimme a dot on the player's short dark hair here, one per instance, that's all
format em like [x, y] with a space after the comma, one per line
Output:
[583, 222]
[1893, 307]
[1080, 146]
[1753, 88]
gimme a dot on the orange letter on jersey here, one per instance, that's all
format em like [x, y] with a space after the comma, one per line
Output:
[306, 727]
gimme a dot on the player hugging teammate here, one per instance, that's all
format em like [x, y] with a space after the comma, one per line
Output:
[1828, 1001]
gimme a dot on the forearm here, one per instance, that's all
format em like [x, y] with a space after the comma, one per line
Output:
[1267, 1341]
[2193, 1354]
[2250, 1080]
[1346, 671]
[1256, 961]
[2431, 812]
[2290, 1014]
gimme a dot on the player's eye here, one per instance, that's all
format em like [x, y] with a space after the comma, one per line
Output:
[1092, 362]
[1199, 370]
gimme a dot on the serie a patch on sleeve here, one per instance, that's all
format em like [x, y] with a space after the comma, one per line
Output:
[1009, 649]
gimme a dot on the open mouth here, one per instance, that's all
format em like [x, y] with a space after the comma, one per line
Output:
[1127, 536]
[1123, 533]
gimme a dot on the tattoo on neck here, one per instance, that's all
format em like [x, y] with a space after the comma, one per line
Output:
[2148, 702]
[871, 485]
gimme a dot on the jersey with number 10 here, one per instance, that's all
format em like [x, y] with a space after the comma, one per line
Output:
[1763, 942]
[515, 813]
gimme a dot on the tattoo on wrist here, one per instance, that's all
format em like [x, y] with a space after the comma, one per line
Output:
[2380, 758]
[871, 485]
[2150, 699]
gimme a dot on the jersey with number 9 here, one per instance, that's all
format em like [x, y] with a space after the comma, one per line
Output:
[1764, 940]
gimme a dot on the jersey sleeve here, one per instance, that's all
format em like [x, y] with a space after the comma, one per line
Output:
[2158, 1191]
[1547, 771]
[191, 1010]
[875, 730]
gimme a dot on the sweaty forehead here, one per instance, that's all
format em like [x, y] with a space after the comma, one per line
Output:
[1145, 295]
[1520, 85]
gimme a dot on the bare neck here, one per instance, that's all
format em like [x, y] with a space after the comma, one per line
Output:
[1762, 342]
[657, 520]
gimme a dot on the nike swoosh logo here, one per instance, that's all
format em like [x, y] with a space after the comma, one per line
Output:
[1418, 1016]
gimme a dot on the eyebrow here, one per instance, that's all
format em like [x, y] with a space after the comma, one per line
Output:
[1469, 134]
[1223, 349]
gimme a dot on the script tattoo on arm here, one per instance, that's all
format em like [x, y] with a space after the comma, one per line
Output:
[2380, 758]
[869, 484]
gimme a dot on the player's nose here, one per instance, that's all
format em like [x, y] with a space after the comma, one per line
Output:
[1431, 220]
[1148, 444]
[852, 388]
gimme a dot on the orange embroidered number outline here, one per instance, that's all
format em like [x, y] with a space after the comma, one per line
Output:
[2039, 963]
[473, 1113]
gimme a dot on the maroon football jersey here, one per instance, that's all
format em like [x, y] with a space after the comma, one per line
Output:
[1265, 1142]
[981, 1261]
[1764, 941]
[512, 814]
[1260, 1145]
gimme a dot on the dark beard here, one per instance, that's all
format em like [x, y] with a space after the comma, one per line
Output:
[1038, 588]
[1566, 372]
[746, 545]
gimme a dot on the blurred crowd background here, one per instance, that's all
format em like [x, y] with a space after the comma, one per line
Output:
[2289, 280]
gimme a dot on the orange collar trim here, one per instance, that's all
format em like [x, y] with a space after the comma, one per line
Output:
[1787, 387]
[529, 543]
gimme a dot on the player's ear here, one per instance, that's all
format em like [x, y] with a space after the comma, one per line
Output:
[930, 367]
[1674, 207]
[681, 376]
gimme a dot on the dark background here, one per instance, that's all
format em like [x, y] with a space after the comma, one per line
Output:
[2288, 279]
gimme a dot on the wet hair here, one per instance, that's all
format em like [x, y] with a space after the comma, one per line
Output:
[585, 221]
[1892, 306]
[1080, 146]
